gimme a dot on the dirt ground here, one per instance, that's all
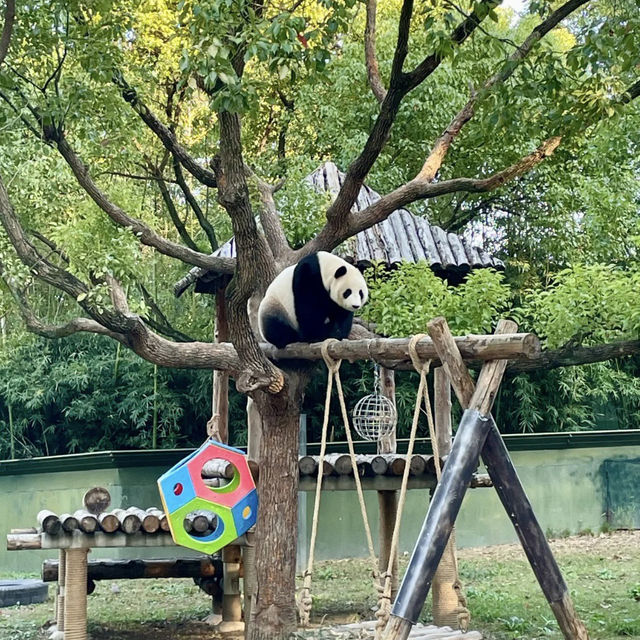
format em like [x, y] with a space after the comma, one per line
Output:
[604, 544]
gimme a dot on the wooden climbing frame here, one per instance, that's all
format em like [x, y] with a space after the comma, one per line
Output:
[477, 435]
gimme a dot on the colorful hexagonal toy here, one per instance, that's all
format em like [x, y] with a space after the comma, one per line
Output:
[236, 504]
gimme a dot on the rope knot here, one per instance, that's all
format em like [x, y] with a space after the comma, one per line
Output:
[332, 364]
[418, 364]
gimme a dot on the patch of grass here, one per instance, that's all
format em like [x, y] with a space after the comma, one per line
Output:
[502, 593]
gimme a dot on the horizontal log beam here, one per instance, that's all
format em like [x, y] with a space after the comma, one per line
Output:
[393, 353]
[138, 569]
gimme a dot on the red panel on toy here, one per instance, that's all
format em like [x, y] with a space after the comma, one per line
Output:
[224, 496]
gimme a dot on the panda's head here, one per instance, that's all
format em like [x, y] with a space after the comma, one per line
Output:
[347, 287]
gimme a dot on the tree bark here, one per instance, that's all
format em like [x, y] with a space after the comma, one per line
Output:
[274, 612]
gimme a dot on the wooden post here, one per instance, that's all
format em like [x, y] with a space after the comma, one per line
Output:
[511, 493]
[249, 577]
[446, 501]
[75, 596]
[387, 500]
[231, 604]
[62, 559]
[218, 425]
[446, 592]
[302, 553]
[442, 407]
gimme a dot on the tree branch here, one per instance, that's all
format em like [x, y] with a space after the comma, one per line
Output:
[29, 255]
[571, 356]
[442, 145]
[173, 214]
[204, 223]
[631, 93]
[162, 324]
[256, 266]
[133, 176]
[164, 133]
[459, 35]
[373, 72]
[145, 234]
[402, 44]
[51, 244]
[270, 220]
[419, 189]
[7, 29]
[24, 120]
[77, 325]
[399, 85]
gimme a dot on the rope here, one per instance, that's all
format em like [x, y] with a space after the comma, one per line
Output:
[383, 581]
[384, 601]
[333, 371]
[304, 599]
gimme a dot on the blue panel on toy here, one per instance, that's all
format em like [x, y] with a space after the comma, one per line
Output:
[245, 512]
[176, 487]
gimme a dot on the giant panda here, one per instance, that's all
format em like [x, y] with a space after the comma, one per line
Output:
[311, 301]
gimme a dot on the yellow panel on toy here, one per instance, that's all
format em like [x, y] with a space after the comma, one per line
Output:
[235, 505]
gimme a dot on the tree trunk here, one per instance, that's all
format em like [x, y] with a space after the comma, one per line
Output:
[274, 610]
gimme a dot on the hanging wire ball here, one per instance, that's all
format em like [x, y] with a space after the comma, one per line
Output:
[374, 417]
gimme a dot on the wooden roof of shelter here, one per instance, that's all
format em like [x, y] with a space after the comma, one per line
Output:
[402, 237]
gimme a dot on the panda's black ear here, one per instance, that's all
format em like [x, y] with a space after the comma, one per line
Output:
[340, 271]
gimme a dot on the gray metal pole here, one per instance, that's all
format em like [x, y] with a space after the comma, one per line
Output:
[443, 509]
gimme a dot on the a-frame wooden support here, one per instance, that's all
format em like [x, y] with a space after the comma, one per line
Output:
[477, 435]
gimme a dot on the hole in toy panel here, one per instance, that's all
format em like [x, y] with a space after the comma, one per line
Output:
[200, 523]
[220, 475]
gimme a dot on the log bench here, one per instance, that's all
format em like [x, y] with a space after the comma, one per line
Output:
[73, 570]
[200, 569]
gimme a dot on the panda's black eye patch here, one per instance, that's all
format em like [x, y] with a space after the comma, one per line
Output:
[361, 294]
[347, 293]
[340, 271]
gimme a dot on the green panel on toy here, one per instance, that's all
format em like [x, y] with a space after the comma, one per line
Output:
[225, 532]
[235, 505]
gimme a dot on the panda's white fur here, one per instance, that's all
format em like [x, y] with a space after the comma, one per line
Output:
[279, 294]
[312, 300]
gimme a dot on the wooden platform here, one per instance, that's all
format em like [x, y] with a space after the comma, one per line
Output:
[377, 472]
[366, 631]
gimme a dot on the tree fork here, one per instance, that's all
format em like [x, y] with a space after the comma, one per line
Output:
[255, 263]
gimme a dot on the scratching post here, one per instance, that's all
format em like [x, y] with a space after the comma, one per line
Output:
[249, 576]
[62, 556]
[75, 595]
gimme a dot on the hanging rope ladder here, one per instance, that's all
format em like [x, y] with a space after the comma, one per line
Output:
[383, 582]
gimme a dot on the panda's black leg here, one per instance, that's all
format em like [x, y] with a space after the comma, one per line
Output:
[342, 327]
[279, 333]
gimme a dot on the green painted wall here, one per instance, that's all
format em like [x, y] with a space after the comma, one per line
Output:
[23, 494]
[567, 489]
[571, 481]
